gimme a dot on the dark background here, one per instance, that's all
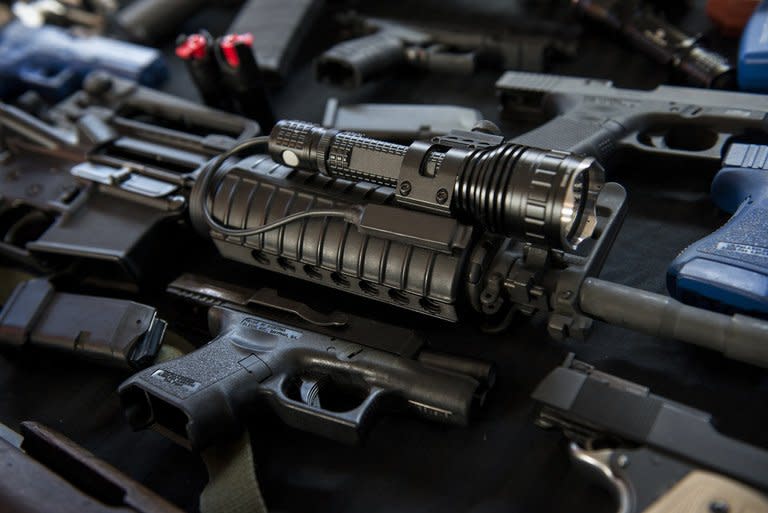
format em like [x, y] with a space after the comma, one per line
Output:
[503, 462]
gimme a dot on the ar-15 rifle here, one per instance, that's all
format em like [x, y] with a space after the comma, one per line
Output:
[655, 455]
[106, 180]
[466, 222]
[135, 179]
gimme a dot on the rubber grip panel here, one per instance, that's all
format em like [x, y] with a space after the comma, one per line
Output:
[354, 62]
[571, 133]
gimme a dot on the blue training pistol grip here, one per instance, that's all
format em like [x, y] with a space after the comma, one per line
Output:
[728, 270]
[54, 61]
[753, 52]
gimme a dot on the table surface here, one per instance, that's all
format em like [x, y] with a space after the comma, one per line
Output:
[502, 462]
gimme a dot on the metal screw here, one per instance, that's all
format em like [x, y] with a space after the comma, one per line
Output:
[719, 507]
[623, 460]
[405, 188]
[442, 196]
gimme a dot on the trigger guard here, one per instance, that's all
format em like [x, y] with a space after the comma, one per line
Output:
[598, 462]
[645, 141]
[344, 426]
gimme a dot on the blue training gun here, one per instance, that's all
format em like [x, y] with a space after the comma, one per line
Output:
[753, 49]
[53, 61]
[727, 269]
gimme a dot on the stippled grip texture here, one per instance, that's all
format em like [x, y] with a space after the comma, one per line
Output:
[354, 62]
[727, 270]
[592, 137]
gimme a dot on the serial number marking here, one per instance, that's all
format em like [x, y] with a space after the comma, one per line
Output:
[270, 329]
[744, 249]
[176, 380]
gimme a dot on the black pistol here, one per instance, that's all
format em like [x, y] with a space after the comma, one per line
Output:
[313, 382]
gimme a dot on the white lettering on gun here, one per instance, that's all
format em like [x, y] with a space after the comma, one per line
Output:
[176, 380]
[744, 249]
[270, 329]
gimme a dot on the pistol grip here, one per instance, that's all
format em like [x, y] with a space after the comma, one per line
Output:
[727, 270]
[198, 398]
[575, 132]
[354, 62]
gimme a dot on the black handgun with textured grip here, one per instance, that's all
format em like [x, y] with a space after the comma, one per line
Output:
[312, 382]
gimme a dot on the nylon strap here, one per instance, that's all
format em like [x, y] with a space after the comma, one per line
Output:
[232, 484]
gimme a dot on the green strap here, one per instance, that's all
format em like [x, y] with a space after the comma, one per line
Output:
[174, 346]
[232, 485]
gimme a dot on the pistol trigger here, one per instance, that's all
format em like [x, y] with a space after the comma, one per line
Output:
[598, 462]
[309, 391]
